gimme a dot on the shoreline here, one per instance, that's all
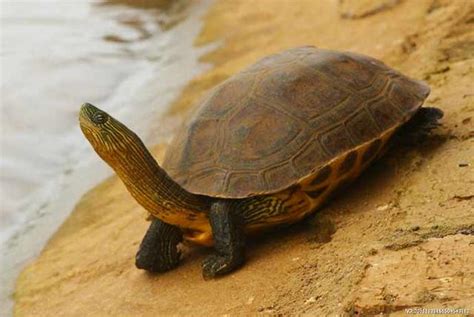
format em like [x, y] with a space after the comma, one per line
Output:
[87, 171]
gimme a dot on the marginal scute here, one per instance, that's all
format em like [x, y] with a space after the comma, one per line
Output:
[349, 162]
[371, 151]
[322, 176]
[405, 96]
[277, 122]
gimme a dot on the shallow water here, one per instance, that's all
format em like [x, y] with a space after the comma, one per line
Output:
[56, 55]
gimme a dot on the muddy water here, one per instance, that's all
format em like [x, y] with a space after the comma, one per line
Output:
[132, 62]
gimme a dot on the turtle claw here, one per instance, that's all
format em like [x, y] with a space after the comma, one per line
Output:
[215, 265]
[154, 263]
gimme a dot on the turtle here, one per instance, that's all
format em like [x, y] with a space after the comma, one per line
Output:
[264, 148]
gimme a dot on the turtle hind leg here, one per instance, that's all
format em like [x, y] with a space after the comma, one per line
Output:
[158, 250]
[229, 240]
[418, 128]
[428, 117]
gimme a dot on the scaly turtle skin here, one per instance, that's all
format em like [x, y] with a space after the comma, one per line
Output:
[266, 147]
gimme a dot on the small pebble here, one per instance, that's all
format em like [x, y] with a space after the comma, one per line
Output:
[310, 300]
[382, 208]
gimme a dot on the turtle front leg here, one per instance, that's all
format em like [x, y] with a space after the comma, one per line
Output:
[229, 240]
[158, 250]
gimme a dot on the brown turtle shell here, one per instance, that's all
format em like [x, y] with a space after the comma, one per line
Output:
[278, 121]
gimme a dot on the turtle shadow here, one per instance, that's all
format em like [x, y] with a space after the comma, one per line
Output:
[262, 247]
[389, 172]
[318, 228]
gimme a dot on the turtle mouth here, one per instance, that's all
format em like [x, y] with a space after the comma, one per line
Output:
[93, 131]
[85, 122]
[85, 115]
[87, 111]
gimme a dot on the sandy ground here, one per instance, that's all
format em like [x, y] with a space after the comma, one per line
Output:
[401, 237]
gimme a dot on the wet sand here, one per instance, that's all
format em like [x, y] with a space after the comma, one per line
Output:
[400, 237]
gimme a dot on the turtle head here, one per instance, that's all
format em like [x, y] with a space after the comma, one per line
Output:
[123, 150]
[110, 138]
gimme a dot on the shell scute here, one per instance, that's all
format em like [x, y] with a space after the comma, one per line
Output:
[250, 142]
[384, 113]
[225, 97]
[336, 140]
[301, 92]
[280, 120]
[404, 96]
[312, 152]
[279, 174]
[241, 182]
[362, 127]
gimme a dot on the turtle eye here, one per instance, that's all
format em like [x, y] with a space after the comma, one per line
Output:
[99, 117]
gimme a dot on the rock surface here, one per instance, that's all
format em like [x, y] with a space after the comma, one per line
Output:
[401, 237]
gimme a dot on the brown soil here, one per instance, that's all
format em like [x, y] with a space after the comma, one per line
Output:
[401, 237]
